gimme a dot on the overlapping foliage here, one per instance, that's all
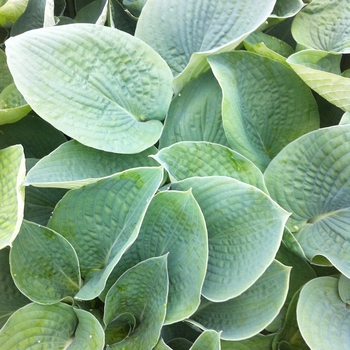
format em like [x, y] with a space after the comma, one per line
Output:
[174, 174]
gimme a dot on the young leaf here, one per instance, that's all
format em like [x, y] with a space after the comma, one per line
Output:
[39, 326]
[207, 340]
[185, 32]
[283, 107]
[74, 165]
[12, 173]
[141, 291]
[105, 88]
[321, 71]
[173, 224]
[13, 107]
[188, 159]
[101, 220]
[324, 25]
[245, 229]
[10, 10]
[11, 298]
[310, 178]
[249, 313]
[44, 265]
[195, 113]
[323, 318]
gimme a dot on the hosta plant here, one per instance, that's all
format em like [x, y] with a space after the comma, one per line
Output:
[174, 174]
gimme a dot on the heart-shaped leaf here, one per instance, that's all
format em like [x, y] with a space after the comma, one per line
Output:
[73, 165]
[141, 291]
[323, 318]
[321, 71]
[249, 313]
[173, 224]
[324, 25]
[244, 235]
[101, 220]
[188, 159]
[39, 326]
[120, 113]
[283, 107]
[195, 113]
[172, 28]
[12, 173]
[44, 265]
[310, 178]
[11, 298]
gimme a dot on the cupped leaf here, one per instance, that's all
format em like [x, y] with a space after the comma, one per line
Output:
[39, 326]
[245, 229]
[12, 173]
[37, 137]
[321, 71]
[11, 298]
[161, 345]
[44, 265]
[188, 159]
[249, 313]
[195, 113]
[324, 25]
[13, 107]
[268, 46]
[141, 291]
[345, 119]
[89, 334]
[185, 32]
[207, 340]
[257, 342]
[344, 289]
[310, 178]
[173, 224]
[101, 220]
[10, 10]
[323, 318]
[286, 8]
[112, 100]
[283, 107]
[73, 165]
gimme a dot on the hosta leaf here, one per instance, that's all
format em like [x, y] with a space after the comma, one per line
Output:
[185, 32]
[345, 119]
[195, 113]
[310, 178]
[344, 289]
[141, 291]
[324, 25]
[73, 165]
[268, 46]
[173, 224]
[11, 298]
[94, 12]
[288, 336]
[257, 342]
[13, 107]
[120, 113]
[40, 203]
[134, 6]
[119, 18]
[321, 71]
[286, 8]
[37, 137]
[323, 318]
[101, 220]
[188, 159]
[89, 334]
[283, 107]
[44, 265]
[161, 345]
[5, 77]
[207, 340]
[245, 229]
[249, 313]
[10, 10]
[12, 173]
[39, 327]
